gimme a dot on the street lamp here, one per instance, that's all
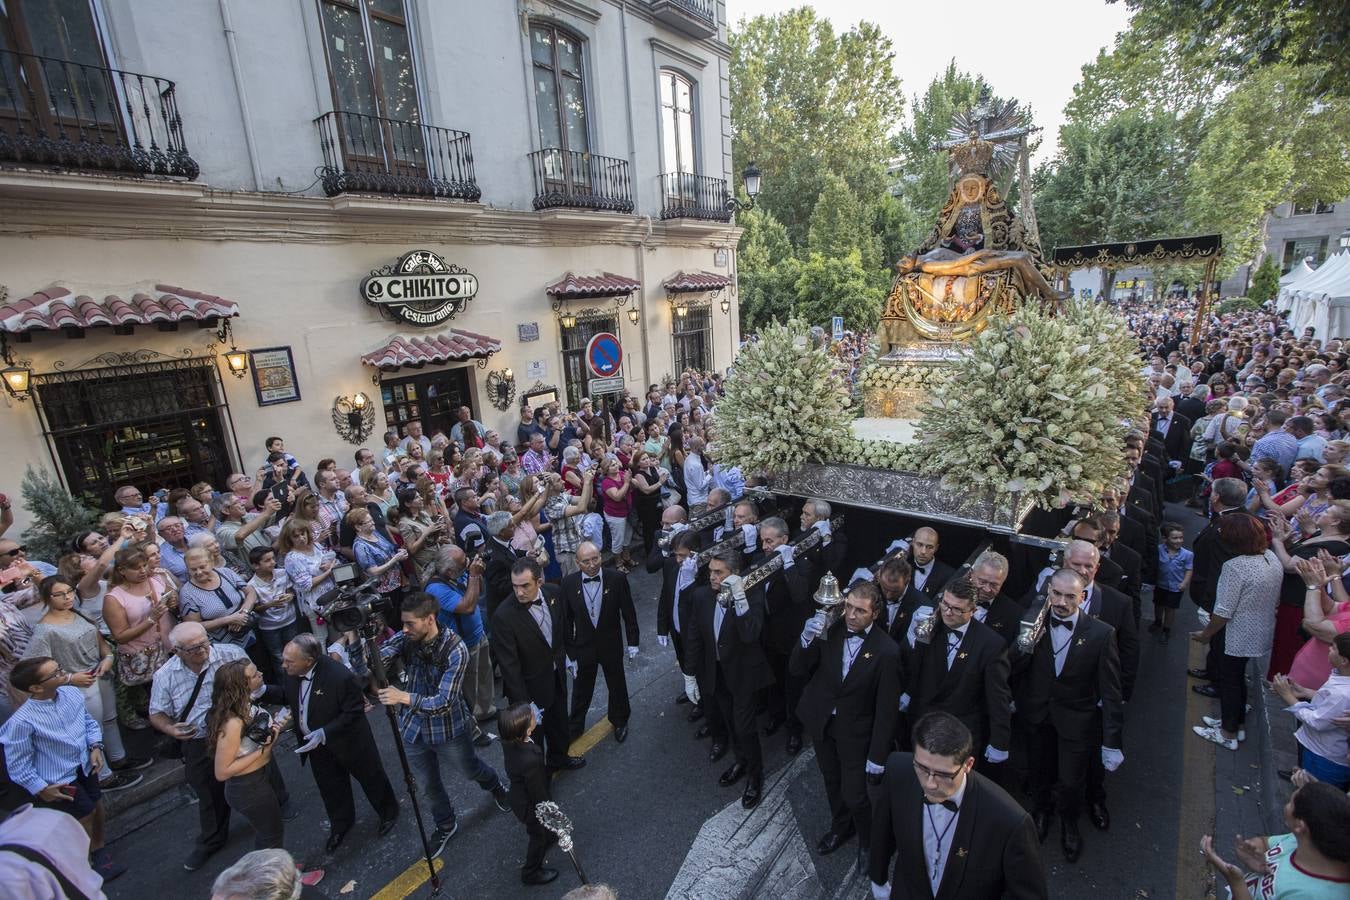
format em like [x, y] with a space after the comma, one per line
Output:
[751, 177]
[726, 305]
[18, 378]
[1345, 239]
[634, 315]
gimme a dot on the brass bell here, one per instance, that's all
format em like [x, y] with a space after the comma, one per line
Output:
[827, 595]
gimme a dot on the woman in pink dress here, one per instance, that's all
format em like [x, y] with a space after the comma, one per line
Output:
[136, 610]
[1324, 617]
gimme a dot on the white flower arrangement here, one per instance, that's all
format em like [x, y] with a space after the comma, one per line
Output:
[785, 404]
[1036, 408]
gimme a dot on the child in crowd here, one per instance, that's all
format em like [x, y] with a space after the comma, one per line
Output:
[524, 761]
[1176, 564]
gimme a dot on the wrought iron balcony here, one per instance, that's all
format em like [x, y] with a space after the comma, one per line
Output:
[688, 196]
[68, 115]
[566, 178]
[697, 18]
[375, 155]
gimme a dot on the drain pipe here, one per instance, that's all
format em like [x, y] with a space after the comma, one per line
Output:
[632, 165]
[238, 72]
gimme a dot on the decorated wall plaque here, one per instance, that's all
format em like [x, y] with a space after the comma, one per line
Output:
[421, 288]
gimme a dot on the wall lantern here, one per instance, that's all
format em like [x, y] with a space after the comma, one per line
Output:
[18, 378]
[726, 305]
[236, 360]
[354, 417]
[501, 386]
[567, 320]
[751, 177]
[682, 310]
[634, 315]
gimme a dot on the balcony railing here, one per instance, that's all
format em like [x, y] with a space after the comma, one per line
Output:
[688, 196]
[693, 17]
[69, 115]
[375, 155]
[566, 178]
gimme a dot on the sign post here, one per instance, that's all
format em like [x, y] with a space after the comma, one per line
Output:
[604, 355]
[837, 328]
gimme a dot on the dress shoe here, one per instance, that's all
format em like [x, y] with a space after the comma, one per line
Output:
[1042, 819]
[703, 731]
[794, 744]
[717, 752]
[832, 841]
[754, 792]
[1155, 627]
[1100, 816]
[334, 841]
[387, 825]
[567, 762]
[774, 724]
[694, 714]
[732, 775]
[1206, 690]
[541, 875]
[682, 699]
[620, 733]
[1202, 674]
[1071, 839]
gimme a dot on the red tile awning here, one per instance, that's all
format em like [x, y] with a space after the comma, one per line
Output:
[450, 346]
[55, 308]
[694, 282]
[606, 284]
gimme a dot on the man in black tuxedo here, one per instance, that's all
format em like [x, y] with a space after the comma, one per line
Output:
[955, 833]
[528, 635]
[594, 600]
[1174, 430]
[722, 643]
[1068, 697]
[1090, 530]
[997, 610]
[498, 556]
[962, 669]
[788, 603]
[1145, 489]
[848, 705]
[930, 573]
[1138, 529]
[831, 554]
[1123, 555]
[1227, 497]
[895, 579]
[329, 717]
[745, 520]
[1109, 605]
[679, 571]
[1192, 406]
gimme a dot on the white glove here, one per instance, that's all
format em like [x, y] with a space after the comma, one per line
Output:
[812, 630]
[861, 574]
[691, 689]
[632, 652]
[881, 891]
[994, 755]
[312, 741]
[571, 667]
[742, 605]
[538, 714]
[1112, 758]
[1174, 463]
[751, 533]
[904, 702]
[662, 640]
[736, 585]
[786, 551]
[874, 769]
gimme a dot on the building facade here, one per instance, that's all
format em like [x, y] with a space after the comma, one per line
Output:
[418, 204]
[1297, 231]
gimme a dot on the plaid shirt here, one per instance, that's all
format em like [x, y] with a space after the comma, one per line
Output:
[534, 463]
[566, 529]
[436, 712]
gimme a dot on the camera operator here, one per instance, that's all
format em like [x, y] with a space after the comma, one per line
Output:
[457, 585]
[436, 723]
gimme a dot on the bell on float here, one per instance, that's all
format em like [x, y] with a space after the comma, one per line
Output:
[827, 595]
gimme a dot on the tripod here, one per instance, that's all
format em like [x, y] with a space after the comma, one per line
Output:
[379, 677]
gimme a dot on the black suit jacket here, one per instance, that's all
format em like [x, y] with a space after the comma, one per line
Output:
[975, 689]
[864, 704]
[1004, 618]
[737, 648]
[1191, 408]
[1177, 441]
[1210, 555]
[1091, 675]
[338, 706]
[1130, 563]
[498, 559]
[941, 574]
[530, 667]
[788, 604]
[524, 764]
[910, 602]
[1109, 572]
[1115, 609]
[831, 558]
[587, 643]
[994, 852]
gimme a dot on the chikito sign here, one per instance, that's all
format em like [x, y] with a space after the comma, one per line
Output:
[420, 288]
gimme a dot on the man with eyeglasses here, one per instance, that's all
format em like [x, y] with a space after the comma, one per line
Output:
[180, 698]
[1069, 700]
[13, 553]
[951, 829]
[996, 609]
[962, 669]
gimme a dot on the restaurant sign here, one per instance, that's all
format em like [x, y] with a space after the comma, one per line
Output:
[421, 288]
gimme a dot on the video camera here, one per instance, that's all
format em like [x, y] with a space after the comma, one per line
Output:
[352, 605]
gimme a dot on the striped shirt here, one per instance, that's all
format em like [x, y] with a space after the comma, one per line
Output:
[46, 741]
[174, 681]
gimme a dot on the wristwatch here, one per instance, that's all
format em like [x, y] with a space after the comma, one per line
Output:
[96, 746]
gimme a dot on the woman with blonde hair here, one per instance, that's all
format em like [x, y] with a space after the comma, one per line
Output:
[309, 567]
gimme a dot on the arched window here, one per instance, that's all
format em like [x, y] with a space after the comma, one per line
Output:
[559, 88]
[677, 123]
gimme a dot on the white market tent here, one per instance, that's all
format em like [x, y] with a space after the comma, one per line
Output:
[1301, 270]
[1323, 300]
[1290, 282]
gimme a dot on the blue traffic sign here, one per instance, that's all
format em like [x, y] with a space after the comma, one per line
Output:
[604, 355]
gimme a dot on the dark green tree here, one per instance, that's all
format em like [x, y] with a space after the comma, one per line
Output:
[840, 225]
[1265, 281]
[838, 286]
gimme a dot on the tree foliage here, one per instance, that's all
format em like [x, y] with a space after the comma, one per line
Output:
[829, 286]
[1265, 281]
[840, 225]
[57, 516]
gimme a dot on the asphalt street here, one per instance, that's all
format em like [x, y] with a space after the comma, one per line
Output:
[651, 820]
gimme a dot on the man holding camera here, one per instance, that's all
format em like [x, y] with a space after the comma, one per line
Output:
[435, 722]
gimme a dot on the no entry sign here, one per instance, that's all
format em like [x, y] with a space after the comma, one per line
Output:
[604, 355]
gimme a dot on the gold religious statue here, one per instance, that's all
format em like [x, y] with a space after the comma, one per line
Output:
[980, 257]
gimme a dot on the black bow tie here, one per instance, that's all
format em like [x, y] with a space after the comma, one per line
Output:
[592, 579]
[855, 636]
[945, 804]
[538, 602]
[1057, 622]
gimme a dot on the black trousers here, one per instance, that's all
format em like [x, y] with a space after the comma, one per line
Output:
[334, 780]
[1232, 691]
[583, 689]
[258, 797]
[556, 739]
[735, 713]
[1214, 655]
[1059, 765]
[540, 840]
[782, 697]
[843, 766]
[1096, 774]
[213, 812]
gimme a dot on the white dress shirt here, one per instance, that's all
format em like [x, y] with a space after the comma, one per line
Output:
[954, 638]
[852, 647]
[921, 574]
[591, 592]
[1061, 638]
[306, 690]
[939, 832]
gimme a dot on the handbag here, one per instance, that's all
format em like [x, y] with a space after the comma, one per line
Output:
[138, 665]
[174, 749]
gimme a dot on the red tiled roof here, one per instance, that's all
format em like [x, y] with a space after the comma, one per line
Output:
[54, 308]
[606, 284]
[690, 282]
[449, 346]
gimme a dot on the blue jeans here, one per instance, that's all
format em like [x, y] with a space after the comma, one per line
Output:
[426, 761]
